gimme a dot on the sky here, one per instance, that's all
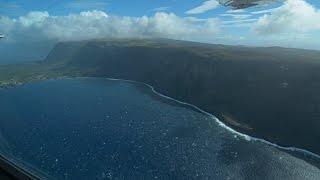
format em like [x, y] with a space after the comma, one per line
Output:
[289, 23]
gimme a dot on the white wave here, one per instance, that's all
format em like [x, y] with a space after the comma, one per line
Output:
[220, 123]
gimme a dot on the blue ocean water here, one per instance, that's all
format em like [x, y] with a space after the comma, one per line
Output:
[104, 129]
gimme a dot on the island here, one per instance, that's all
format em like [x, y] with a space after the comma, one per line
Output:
[266, 92]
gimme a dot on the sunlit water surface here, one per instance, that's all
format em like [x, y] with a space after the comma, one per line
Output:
[103, 129]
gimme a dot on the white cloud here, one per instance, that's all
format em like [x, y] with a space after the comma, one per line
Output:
[239, 21]
[206, 6]
[265, 11]
[96, 14]
[295, 16]
[164, 8]
[295, 24]
[236, 11]
[237, 16]
[6, 24]
[97, 24]
[33, 18]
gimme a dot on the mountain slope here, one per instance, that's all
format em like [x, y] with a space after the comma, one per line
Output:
[266, 92]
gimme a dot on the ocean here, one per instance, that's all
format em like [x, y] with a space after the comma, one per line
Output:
[94, 128]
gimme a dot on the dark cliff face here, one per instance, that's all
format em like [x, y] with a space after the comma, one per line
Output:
[64, 52]
[272, 92]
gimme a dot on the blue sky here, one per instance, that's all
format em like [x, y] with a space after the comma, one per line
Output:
[117, 7]
[291, 23]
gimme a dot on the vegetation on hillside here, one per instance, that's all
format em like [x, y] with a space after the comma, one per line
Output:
[271, 93]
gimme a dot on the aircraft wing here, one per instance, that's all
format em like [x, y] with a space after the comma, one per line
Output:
[242, 4]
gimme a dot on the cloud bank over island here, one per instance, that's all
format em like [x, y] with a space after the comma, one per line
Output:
[98, 24]
[295, 16]
[293, 24]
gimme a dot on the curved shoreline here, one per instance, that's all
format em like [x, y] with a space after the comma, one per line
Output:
[220, 123]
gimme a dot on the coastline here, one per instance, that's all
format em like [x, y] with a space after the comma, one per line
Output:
[126, 115]
[238, 87]
[236, 123]
[227, 123]
[300, 153]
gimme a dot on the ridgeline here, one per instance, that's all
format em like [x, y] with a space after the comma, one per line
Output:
[270, 93]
